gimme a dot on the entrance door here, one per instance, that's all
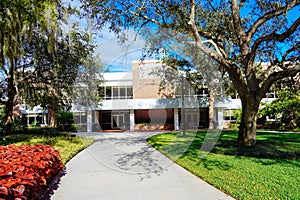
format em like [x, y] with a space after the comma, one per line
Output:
[117, 121]
[192, 119]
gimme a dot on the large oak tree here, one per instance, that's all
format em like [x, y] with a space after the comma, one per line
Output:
[239, 35]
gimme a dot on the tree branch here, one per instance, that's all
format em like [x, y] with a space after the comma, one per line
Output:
[294, 48]
[139, 14]
[273, 37]
[240, 33]
[233, 70]
[277, 76]
[268, 16]
[219, 51]
[199, 42]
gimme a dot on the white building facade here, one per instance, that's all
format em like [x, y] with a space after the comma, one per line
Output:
[135, 101]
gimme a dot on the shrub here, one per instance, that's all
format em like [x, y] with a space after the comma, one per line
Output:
[65, 121]
[18, 124]
[26, 170]
[272, 125]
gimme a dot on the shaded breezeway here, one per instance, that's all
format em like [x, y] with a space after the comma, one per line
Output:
[123, 166]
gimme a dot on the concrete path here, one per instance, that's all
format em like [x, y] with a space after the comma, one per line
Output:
[122, 166]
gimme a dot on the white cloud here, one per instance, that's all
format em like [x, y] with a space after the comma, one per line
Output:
[120, 56]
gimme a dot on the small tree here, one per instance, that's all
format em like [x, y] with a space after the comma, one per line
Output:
[285, 108]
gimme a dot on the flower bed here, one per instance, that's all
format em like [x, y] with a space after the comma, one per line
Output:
[25, 171]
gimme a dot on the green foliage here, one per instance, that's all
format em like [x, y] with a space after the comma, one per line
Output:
[65, 121]
[18, 124]
[285, 108]
[2, 115]
[38, 57]
[269, 170]
[238, 115]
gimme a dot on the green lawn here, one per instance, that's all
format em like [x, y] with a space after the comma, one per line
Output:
[68, 146]
[271, 170]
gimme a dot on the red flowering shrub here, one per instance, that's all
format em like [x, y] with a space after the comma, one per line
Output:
[26, 170]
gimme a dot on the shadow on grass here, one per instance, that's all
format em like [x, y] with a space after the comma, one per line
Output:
[263, 149]
[271, 148]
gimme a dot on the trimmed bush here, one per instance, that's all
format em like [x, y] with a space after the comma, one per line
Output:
[26, 171]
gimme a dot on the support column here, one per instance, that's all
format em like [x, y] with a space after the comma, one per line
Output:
[89, 120]
[176, 119]
[220, 118]
[132, 122]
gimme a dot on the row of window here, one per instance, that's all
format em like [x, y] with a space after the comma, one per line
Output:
[116, 92]
[126, 92]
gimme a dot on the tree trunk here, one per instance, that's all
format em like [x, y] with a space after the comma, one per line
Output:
[211, 111]
[51, 116]
[247, 130]
[9, 105]
[8, 118]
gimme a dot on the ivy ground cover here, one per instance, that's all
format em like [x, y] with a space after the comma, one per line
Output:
[268, 171]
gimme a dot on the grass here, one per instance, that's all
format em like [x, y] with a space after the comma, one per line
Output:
[270, 170]
[67, 146]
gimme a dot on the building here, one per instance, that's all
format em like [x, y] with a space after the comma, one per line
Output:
[132, 101]
[135, 101]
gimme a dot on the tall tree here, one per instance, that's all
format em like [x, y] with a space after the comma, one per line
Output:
[38, 62]
[236, 34]
[49, 78]
[18, 19]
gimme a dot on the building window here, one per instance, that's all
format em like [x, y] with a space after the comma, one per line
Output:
[108, 92]
[80, 118]
[116, 92]
[229, 114]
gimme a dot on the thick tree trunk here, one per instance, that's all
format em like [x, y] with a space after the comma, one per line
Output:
[247, 130]
[51, 116]
[9, 107]
[9, 104]
[8, 119]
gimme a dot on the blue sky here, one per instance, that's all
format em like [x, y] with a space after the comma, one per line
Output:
[115, 56]
[118, 57]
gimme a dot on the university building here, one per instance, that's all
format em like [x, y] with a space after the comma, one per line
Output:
[135, 101]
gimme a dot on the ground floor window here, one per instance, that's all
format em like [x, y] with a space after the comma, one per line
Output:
[229, 114]
[80, 118]
[36, 119]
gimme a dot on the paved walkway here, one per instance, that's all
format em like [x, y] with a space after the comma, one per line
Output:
[122, 166]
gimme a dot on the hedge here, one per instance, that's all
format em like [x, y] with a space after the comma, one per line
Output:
[26, 171]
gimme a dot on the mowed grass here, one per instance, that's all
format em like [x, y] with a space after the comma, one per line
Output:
[67, 146]
[271, 170]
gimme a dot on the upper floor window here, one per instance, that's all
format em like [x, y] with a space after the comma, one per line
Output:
[116, 92]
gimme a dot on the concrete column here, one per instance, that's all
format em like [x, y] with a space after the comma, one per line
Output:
[89, 120]
[176, 119]
[132, 122]
[220, 118]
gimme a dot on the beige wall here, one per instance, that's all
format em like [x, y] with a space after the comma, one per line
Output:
[145, 85]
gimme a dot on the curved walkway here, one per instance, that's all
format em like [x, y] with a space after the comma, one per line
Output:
[122, 166]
